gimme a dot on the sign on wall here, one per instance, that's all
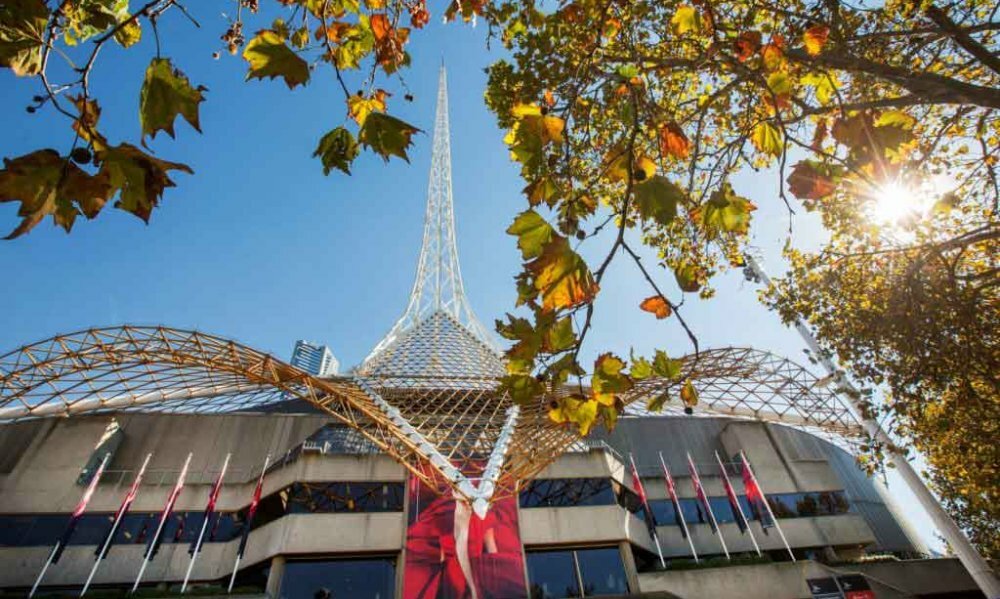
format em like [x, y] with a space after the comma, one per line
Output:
[453, 554]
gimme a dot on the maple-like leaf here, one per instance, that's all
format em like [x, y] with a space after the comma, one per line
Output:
[657, 199]
[656, 305]
[269, 56]
[359, 107]
[167, 93]
[387, 135]
[337, 149]
[815, 38]
[581, 411]
[22, 34]
[532, 232]
[523, 389]
[673, 142]
[689, 277]
[140, 177]
[561, 276]
[46, 183]
[724, 211]
[810, 180]
[686, 18]
[747, 45]
[767, 139]
[609, 379]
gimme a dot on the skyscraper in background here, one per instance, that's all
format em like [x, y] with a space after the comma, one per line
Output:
[314, 358]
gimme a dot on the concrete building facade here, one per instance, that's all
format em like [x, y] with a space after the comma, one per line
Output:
[332, 513]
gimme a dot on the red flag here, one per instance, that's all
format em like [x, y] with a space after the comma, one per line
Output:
[734, 502]
[672, 492]
[755, 496]
[153, 546]
[699, 492]
[213, 497]
[81, 507]
[641, 491]
[109, 537]
[251, 511]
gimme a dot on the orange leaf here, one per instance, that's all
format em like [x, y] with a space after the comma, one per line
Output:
[380, 26]
[815, 38]
[656, 305]
[673, 142]
[746, 44]
[774, 53]
[550, 101]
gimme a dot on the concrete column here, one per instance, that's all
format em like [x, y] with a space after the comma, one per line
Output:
[275, 575]
[631, 573]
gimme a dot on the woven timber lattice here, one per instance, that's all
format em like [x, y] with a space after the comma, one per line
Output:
[157, 369]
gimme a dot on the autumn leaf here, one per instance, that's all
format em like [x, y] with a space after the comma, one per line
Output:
[747, 45]
[140, 177]
[773, 53]
[664, 366]
[387, 135]
[46, 183]
[560, 336]
[337, 149]
[609, 379]
[657, 199]
[270, 57]
[724, 211]
[811, 180]
[895, 118]
[532, 232]
[22, 34]
[767, 139]
[523, 389]
[167, 93]
[656, 305]
[561, 276]
[689, 395]
[688, 277]
[673, 142]
[85, 125]
[575, 409]
[644, 169]
[359, 107]
[686, 19]
[815, 38]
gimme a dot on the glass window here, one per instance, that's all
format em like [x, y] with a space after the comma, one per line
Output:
[552, 575]
[602, 571]
[371, 578]
[567, 492]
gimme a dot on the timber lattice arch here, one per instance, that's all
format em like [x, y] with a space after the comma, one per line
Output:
[428, 395]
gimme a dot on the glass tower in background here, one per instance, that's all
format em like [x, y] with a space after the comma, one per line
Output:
[314, 358]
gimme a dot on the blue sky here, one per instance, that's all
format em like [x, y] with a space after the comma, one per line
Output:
[260, 247]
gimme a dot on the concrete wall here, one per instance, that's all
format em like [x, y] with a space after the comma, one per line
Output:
[787, 580]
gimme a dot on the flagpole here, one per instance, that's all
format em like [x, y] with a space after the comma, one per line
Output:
[739, 507]
[767, 505]
[239, 553]
[680, 512]
[163, 521]
[648, 513]
[204, 524]
[81, 506]
[114, 526]
[708, 506]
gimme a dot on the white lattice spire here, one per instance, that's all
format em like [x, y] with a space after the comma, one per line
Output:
[437, 290]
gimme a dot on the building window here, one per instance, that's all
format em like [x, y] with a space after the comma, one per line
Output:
[557, 574]
[784, 505]
[368, 578]
[567, 492]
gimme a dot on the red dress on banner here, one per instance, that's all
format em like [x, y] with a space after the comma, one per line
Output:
[433, 567]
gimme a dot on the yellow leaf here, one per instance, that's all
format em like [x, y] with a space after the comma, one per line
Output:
[686, 19]
[815, 38]
[767, 139]
[644, 169]
[895, 118]
[269, 56]
[522, 110]
[561, 276]
[360, 107]
[779, 83]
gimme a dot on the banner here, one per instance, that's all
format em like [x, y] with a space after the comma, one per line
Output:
[453, 554]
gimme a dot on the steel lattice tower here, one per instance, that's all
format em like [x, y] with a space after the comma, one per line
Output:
[438, 299]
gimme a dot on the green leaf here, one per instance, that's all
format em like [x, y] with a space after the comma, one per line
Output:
[656, 404]
[22, 34]
[387, 135]
[140, 177]
[724, 211]
[337, 149]
[529, 341]
[523, 388]
[609, 379]
[641, 368]
[665, 367]
[767, 139]
[46, 183]
[688, 277]
[167, 93]
[270, 57]
[657, 199]
[532, 232]
[561, 336]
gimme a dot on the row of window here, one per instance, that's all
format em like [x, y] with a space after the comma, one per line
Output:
[576, 573]
[346, 497]
[603, 491]
[183, 527]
